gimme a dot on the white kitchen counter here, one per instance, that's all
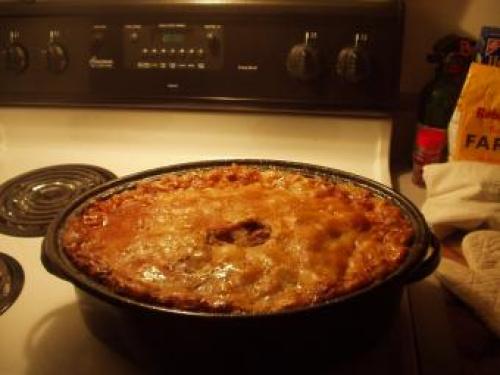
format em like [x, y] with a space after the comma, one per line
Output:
[437, 349]
[472, 347]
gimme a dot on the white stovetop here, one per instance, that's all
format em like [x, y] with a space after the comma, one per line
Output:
[42, 333]
[130, 141]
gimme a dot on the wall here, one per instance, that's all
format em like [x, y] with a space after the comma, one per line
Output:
[428, 20]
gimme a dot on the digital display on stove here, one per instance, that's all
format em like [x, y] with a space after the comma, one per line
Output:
[170, 37]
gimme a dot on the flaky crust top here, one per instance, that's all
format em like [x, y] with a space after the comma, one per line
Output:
[238, 239]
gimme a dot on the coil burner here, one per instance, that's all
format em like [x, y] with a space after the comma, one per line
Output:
[30, 201]
[11, 281]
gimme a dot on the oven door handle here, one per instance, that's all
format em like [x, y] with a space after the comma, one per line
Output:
[429, 264]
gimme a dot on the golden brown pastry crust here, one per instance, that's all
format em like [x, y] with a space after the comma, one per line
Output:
[238, 239]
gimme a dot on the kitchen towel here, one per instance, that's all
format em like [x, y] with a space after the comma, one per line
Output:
[462, 195]
[478, 282]
[466, 195]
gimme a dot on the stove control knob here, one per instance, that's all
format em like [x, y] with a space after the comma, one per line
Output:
[97, 42]
[303, 61]
[213, 43]
[353, 63]
[16, 58]
[57, 59]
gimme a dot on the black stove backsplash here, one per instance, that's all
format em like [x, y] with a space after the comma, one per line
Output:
[300, 54]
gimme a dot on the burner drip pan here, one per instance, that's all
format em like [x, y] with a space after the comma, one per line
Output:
[29, 202]
[11, 281]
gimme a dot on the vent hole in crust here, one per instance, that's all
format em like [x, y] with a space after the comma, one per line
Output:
[247, 233]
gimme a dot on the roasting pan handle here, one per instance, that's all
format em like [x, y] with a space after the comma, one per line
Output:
[428, 264]
[49, 263]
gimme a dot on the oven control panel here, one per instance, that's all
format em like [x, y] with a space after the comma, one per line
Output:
[173, 46]
[344, 58]
[161, 46]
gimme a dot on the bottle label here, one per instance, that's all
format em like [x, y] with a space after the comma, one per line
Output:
[430, 144]
[430, 139]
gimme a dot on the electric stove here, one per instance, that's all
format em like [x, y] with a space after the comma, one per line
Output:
[94, 90]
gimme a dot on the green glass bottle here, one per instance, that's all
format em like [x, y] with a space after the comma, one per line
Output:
[437, 101]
